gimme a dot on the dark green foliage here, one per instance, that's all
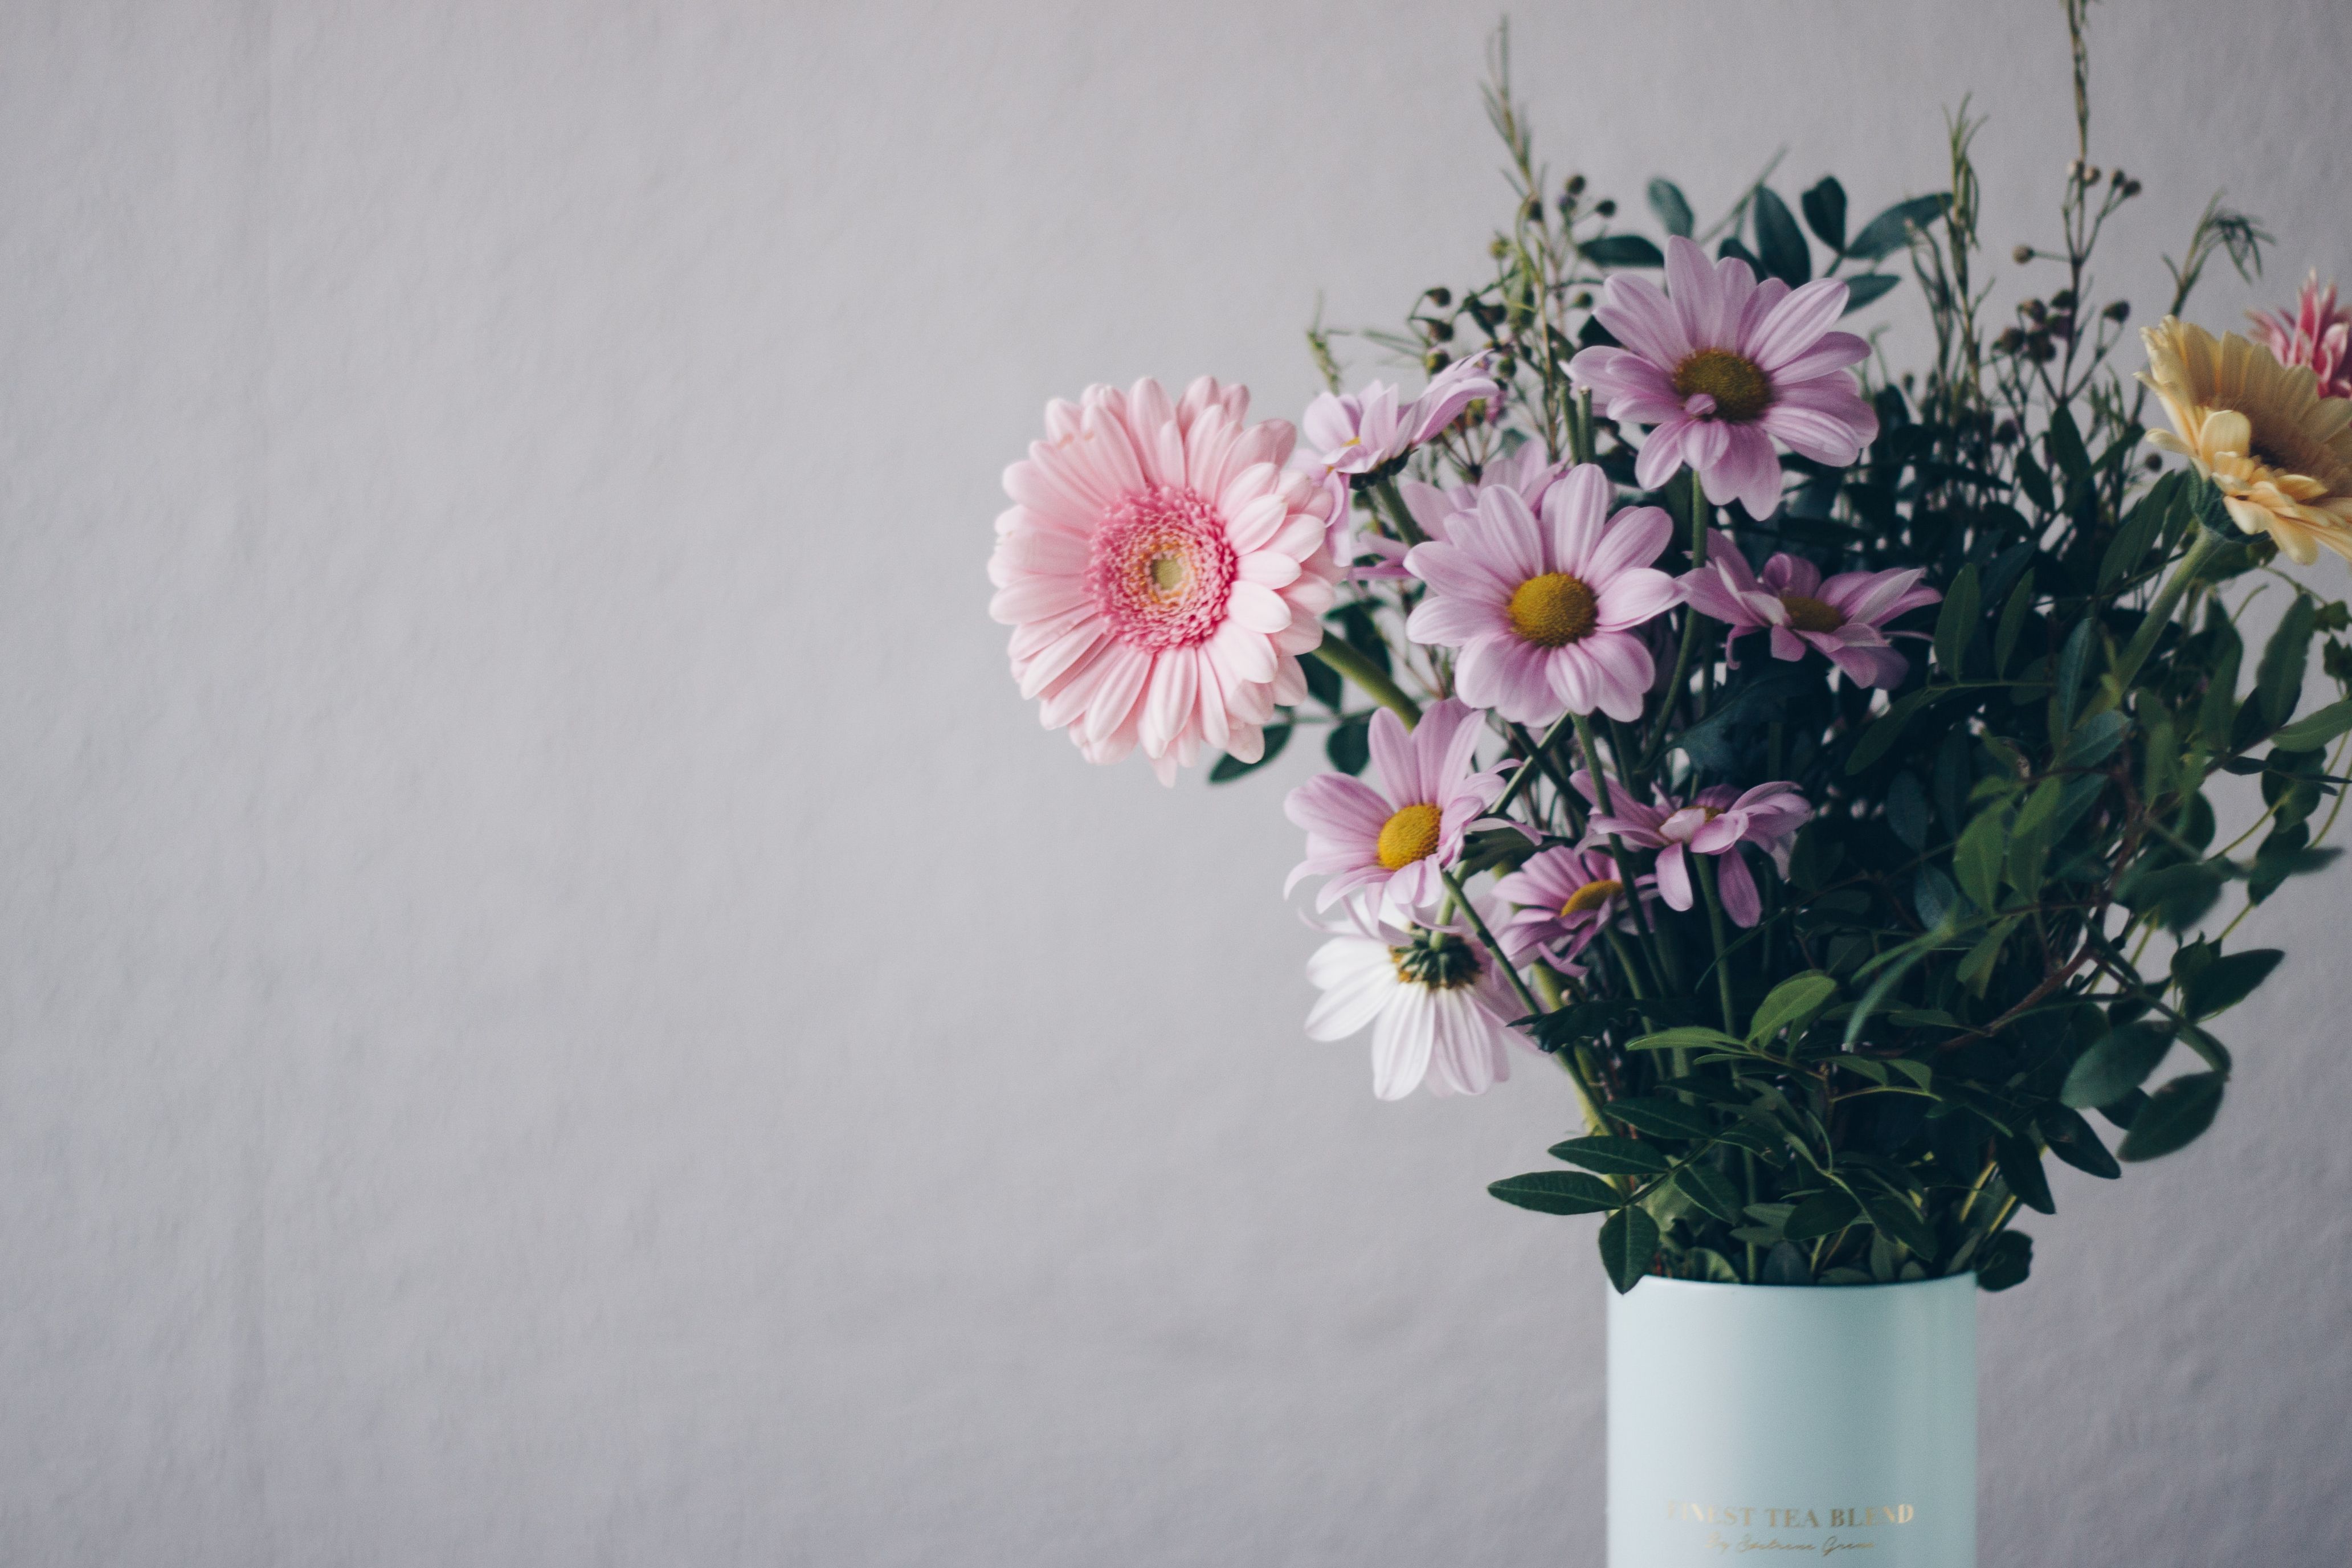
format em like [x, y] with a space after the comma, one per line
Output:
[2015, 893]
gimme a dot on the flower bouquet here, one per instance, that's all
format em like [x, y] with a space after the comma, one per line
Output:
[1823, 769]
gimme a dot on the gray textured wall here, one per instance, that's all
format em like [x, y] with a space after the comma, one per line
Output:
[557, 1008]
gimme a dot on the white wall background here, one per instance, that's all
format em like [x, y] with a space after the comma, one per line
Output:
[558, 1009]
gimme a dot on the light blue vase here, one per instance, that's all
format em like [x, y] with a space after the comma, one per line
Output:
[1775, 1424]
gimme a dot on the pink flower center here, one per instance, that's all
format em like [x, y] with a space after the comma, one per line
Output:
[1160, 569]
[1736, 388]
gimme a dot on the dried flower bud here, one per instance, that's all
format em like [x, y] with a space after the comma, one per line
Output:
[2131, 187]
[1583, 301]
[2005, 432]
[2062, 301]
[2035, 311]
[1576, 184]
[2023, 254]
[2010, 341]
[2117, 311]
[2152, 463]
[1435, 360]
[1441, 332]
[1499, 247]
[1605, 207]
[1440, 296]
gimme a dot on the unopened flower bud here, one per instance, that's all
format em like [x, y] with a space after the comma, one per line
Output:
[2062, 301]
[1582, 301]
[1605, 207]
[2118, 310]
[2131, 187]
[1435, 360]
[1441, 332]
[1576, 184]
[1440, 296]
[2021, 254]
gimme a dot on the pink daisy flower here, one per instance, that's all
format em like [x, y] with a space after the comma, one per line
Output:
[2319, 334]
[1440, 1013]
[1391, 846]
[1844, 618]
[1545, 611]
[1527, 472]
[1566, 897]
[1162, 573]
[1362, 432]
[1717, 824]
[1720, 365]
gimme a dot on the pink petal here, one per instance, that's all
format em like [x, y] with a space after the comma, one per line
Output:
[1575, 511]
[1738, 888]
[1634, 596]
[1796, 323]
[1674, 878]
[1639, 317]
[1635, 538]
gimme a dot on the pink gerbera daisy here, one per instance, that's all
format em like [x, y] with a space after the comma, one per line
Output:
[1432, 509]
[1392, 843]
[1544, 611]
[1566, 897]
[1439, 1010]
[1844, 618]
[2319, 335]
[1720, 365]
[1161, 572]
[1717, 822]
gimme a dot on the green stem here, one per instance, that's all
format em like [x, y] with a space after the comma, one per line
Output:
[1538, 759]
[1715, 930]
[2159, 614]
[1579, 427]
[1478, 924]
[1691, 620]
[1671, 973]
[1549, 984]
[1345, 658]
[1386, 497]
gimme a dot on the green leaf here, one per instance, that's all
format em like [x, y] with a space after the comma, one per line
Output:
[2116, 1066]
[2012, 623]
[1977, 967]
[2005, 1261]
[2226, 982]
[1690, 1037]
[1794, 1002]
[1611, 1156]
[2173, 1116]
[1661, 1118]
[1674, 209]
[1955, 621]
[2093, 740]
[1710, 1189]
[2021, 1167]
[2074, 1141]
[1824, 208]
[1823, 1213]
[1893, 1213]
[1780, 243]
[1558, 1192]
[1349, 743]
[1786, 1266]
[2067, 691]
[2278, 679]
[2217, 712]
[2035, 480]
[2314, 731]
[1880, 738]
[1622, 250]
[1276, 737]
[1865, 288]
[1629, 1240]
[2067, 453]
[1891, 230]
[1977, 858]
[2131, 541]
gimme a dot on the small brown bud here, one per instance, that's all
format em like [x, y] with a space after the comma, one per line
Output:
[1576, 184]
[1605, 207]
[1435, 360]
[2117, 311]
[1440, 296]
[2021, 254]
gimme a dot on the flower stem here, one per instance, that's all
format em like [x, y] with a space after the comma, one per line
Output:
[1345, 658]
[1478, 924]
[1691, 620]
[1579, 426]
[1715, 930]
[1669, 972]
[1386, 497]
[2159, 614]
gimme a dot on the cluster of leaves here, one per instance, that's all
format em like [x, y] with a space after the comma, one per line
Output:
[2005, 912]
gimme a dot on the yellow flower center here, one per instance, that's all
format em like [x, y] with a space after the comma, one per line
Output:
[1811, 615]
[1410, 835]
[1171, 575]
[1553, 610]
[1591, 896]
[1740, 390]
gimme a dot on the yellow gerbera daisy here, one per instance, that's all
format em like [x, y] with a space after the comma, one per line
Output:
[2280, 453]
